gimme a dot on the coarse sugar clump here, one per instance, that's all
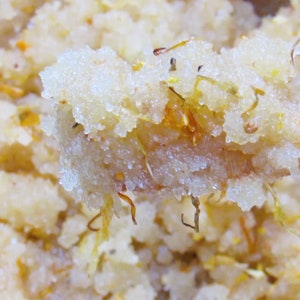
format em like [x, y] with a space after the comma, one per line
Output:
[186, 121]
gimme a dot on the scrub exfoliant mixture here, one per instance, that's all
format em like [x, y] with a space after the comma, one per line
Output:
[149, 149]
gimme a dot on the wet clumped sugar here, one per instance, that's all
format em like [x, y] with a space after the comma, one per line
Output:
[149, 149]
[184, 121]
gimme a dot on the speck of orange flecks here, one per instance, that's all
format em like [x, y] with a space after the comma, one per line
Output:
[120, 176]
[29, 118]
[22, 45]
[89, 20]
[63, 101]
